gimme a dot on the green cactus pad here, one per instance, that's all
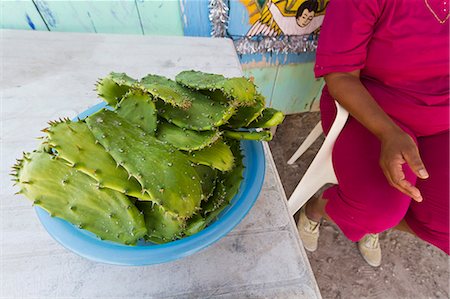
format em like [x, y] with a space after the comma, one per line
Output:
[228, 184]
[217, 204]
[216, 200]
[167, 90]
[138, 108]
[269, 118]
[227, 187]
[216, 96]
[208, 178]
[200, 80]
[218, 156]
[184, 139]
[162, 226]
[113, 87]
[165, 173]
[194, 225]
[74, 142]
[44, 146]
[71, 195]
[239, 135]
[247, 114]
[203, 115]
[232, 180]
[241, 90]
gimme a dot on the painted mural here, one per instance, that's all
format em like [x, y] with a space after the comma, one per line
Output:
[284, 17]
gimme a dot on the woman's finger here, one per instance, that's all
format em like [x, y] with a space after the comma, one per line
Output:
[395, 169]
[414, 161]
[407, 188]
[387, 175]
[396, 178]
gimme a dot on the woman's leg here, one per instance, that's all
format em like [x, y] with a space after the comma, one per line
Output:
[429, 219]
[404, 227]
[363, 202]
[315, 209]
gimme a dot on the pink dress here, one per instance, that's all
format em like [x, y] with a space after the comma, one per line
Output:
[402, 50]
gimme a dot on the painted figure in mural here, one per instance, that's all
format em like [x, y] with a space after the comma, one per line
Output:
[391, 159]
[278, 18]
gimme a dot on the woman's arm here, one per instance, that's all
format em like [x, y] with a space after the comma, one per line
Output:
[397, 147]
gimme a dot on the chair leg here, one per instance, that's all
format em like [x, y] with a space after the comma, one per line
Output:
[313, 135]
[319, 173]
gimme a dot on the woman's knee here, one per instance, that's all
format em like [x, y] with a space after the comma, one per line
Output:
[389, 215]
[374, 211]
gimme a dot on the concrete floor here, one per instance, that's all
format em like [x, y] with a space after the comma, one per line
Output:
[410, 268]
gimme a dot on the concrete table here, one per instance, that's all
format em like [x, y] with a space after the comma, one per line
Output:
[50, 75]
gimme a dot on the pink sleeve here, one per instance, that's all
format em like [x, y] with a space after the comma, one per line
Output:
[346, 30]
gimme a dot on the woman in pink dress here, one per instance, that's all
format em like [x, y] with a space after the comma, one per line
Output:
[387, 63]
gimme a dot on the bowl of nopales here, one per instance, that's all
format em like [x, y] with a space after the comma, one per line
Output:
[158, 171]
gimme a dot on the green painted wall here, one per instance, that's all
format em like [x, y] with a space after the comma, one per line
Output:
[150, 17]
[291, 88]
[91, 16]
[295, 88]
[18, 14]
[264, 78]
[160, 17]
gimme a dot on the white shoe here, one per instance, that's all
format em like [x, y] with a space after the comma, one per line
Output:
[308, 230]
[369, 247]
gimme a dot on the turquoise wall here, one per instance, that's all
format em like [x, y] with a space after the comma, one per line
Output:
[147, 17]
[286, 80]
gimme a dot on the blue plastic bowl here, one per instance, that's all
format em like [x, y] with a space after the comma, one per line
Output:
[89, 246]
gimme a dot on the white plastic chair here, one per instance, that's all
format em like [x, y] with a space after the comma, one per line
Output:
[321, 171]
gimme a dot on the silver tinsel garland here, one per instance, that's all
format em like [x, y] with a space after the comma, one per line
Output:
[218, 16]
[276, 45]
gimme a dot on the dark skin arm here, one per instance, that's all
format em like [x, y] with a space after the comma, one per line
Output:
[397, 147]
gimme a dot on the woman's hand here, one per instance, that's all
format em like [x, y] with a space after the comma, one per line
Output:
[398, 148]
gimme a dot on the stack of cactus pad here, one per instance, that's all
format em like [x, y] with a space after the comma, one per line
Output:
[159, 163]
